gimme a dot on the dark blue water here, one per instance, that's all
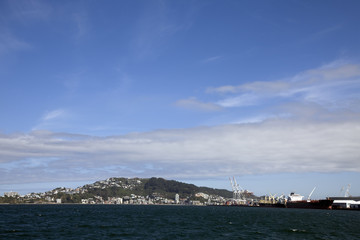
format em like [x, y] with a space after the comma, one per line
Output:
[173, 222]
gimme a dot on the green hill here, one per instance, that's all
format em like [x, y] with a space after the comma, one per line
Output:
[150, 187]
[172, 187]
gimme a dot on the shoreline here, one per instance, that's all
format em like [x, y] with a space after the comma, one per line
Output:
[173, 205]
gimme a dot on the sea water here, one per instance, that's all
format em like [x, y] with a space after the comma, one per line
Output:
[174, 222]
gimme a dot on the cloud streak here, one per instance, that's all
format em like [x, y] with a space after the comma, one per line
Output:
[154, 29]
[333, 85]
[57, 118]
[10, 43]
[193, 103]
[24, 10]
[53, 114]
[239, 149]
[211, 59]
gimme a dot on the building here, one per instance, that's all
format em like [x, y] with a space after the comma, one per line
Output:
[11, 194]
[202, 195]
[345, 202]
[177, 199]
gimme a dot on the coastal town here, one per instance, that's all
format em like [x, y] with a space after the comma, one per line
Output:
[158, 191]
[114, 191]
[44, 198]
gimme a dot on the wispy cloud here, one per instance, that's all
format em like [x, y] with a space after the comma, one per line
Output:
[193, 103]
[54, 119]
[223, 89]
[211, 59]
[331, 84]
[81, 24]
[10, 43]
[268, 147]
[322, 33]
[154, 29]
[53, 114]
[27, 163]
[24, 10]
[240, 101]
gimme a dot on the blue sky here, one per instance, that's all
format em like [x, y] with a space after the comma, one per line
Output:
[196, 91]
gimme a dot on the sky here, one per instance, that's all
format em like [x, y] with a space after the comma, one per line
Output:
[267, 92]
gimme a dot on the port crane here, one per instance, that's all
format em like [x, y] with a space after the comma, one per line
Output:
[233, 188]
[237, 193]
[347, 191]
[272, 198]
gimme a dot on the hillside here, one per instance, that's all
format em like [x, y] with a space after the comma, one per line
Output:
[120, 187]
[172, 187]
[143, 190]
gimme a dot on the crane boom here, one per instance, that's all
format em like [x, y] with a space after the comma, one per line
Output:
[311, 194]
[232, 184]
[236, 185]
[347, 193]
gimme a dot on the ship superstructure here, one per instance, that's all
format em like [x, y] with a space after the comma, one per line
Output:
[294, 197]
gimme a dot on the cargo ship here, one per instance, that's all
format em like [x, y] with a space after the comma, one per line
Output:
[296, 201]
[272, 205]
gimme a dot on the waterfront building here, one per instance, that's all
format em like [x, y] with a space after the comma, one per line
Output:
[345, 202]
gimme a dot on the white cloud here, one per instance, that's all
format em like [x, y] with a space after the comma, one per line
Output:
[270, 147]
[53, 114]
[211, 59]
[193, 103]
[257, 119]
[336, 84]
[56, 119]
[223, 89]
[328, 74]
[240, 101]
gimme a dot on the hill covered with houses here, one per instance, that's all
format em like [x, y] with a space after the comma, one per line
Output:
[126, 191]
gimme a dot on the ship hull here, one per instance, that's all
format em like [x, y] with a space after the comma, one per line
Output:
[272, 205]
[313, 204]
